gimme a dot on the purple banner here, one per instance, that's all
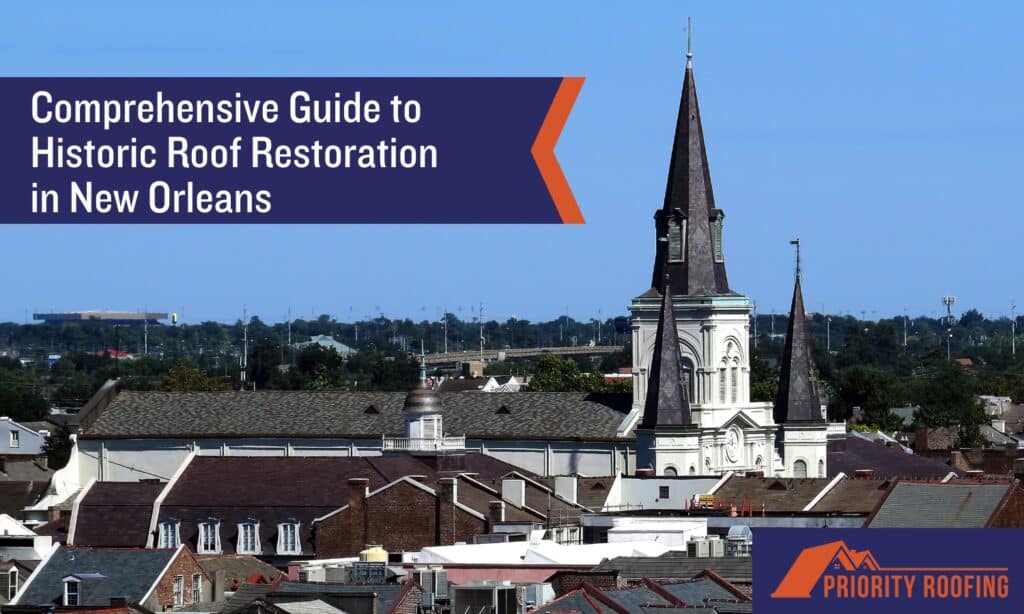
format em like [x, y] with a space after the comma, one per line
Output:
[284, 150]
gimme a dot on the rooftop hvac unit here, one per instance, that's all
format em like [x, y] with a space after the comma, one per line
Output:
[428, 600]
[425, 578]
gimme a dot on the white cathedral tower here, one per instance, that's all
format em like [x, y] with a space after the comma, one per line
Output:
[691, 357]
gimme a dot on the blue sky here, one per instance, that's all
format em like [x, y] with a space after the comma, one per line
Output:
[887, 136]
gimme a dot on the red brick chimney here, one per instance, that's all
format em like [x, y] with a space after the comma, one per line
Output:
[447, 496]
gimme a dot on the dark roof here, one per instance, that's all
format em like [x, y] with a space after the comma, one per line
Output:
[675, 565]
[950, 505]
[797, 399]
[24, 469]
[238, 568]
[387, 594]
[853, 497]
[704, 594]
[531, 415]
[15, 496]
[272, 490]
[116, 514]
[668, 400]
[591, 492]
[246, 594]
[779, 495]
[850, 453]
[126, 573]
[689, 200]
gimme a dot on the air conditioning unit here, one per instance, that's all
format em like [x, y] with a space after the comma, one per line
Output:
[428, 600]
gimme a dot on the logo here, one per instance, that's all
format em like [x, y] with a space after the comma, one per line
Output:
[834, 571]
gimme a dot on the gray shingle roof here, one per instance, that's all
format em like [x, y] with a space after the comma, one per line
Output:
[126, 573]
[530, 415]
[949, 505]
[737, 570]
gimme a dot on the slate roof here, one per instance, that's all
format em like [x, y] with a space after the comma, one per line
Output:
[798, 399]
[276, 489]
[311, 606]
[14, 496]
[780, 495]
[668, 400]
[126, 573]
[853, 497]
[116, 514]
[530, 415]
[675, 565]
[700, 595]
[690, 199]
[848, 454]
[950, 505]
[24, 469]
[387, 594]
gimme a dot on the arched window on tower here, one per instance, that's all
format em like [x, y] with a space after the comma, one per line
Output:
[722, 384]
[687, 377]
[800, 469]
[676, 239]
[821, 468]
[671, 472]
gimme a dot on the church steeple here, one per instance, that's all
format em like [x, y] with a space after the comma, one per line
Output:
[668, 400]
[797, 399]
[688, 226]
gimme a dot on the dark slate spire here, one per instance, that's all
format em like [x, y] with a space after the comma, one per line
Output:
[688, 226]
[668, 400]
[798, 398]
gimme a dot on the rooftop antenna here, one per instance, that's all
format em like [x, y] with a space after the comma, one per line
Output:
[423, 366]
[689, 42]
[948, 301]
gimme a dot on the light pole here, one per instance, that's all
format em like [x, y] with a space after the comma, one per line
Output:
[1013, 330]
[828, 334]
[948, 301]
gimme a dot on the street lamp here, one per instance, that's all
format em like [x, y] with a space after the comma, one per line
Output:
[948, 301]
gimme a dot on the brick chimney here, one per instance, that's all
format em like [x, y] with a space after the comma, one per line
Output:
[496, 512]
[357, 489]
[864, 474]
[447, 496]
[53, 514]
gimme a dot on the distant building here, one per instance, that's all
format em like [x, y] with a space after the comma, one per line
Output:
[327, 342]
[105, 317]
[21, 439]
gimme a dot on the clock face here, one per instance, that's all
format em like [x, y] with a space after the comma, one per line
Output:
[733, 443]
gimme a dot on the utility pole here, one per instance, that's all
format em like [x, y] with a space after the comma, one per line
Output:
[245, 343]
[1013, 330]
[948, 301]
[444, 320]
[828, 334]
[904, 328]
[481, 332]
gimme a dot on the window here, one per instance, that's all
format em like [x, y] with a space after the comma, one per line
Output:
[821, 468]
[671, 471]
[430, 427]
[248, 538]
[12, 583]
[71, 586]
[197, 587]
[169, 536]
[759, 463]
[209, 537]
[663, 491]
[15, 439]
[288, 538]
[722, 384]
[800, 469]
[178, 590]
[735, 384]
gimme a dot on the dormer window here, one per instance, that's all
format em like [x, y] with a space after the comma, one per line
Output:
[15, 439]
[209, 537]
[170, 534]
[248, 537]
[72, 590]
[288, 537]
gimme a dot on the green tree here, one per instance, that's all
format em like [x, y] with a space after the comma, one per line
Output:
[185, 377]
[556, 374]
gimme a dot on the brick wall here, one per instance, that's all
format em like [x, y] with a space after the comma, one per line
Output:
[565, 582]
[409, 603]
[403, 517]
[1011, 514]
[184, 565]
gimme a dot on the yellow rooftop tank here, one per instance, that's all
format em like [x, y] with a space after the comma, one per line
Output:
[373, 554]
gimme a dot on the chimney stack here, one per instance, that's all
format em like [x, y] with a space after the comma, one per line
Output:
[496, 512]
[52, 513]
[645, 472]
[514, 491]
[864, 474]
[357, 491]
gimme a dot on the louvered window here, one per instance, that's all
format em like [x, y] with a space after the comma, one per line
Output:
[676, 240]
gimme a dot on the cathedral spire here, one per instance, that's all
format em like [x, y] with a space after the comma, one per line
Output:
[797, 399]
[688, 226]
[668, 400]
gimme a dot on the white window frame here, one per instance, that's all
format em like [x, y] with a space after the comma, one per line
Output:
[12, 583]
[433, 423]
[800, 463]
[240, 547]
[178, 590]
[77, 593]
[197, 587]
[15, 438]
[201, 542]
[170, 534]
[282, 545]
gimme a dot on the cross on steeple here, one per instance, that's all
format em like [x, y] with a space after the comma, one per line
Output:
[689, 42]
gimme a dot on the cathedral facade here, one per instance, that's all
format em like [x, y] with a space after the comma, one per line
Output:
[691, 344]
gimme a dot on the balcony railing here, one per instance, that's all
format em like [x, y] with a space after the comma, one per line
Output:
[420, 444]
